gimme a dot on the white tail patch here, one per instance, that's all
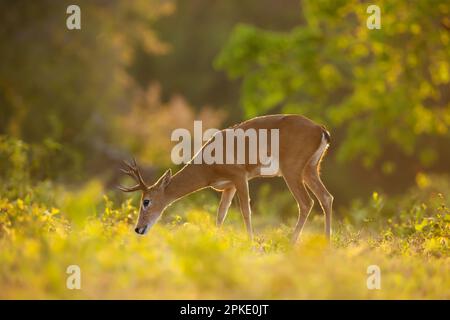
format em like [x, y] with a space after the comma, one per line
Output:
[317, 156]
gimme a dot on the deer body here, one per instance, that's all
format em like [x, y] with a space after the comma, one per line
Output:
[302, 144]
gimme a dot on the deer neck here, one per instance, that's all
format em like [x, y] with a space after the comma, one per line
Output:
[187, 180]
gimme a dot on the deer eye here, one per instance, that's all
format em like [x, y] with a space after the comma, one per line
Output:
[146, 203]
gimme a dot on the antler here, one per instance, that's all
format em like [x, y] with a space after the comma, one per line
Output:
[133, 171]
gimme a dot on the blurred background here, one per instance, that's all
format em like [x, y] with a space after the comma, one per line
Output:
[74, 103]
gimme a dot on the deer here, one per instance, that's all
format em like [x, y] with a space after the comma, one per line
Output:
[302, 146]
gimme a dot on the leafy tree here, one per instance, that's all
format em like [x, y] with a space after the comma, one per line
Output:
[385, 89]
[196, 32]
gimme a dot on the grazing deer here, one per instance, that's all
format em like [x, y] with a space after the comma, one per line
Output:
[302, 144]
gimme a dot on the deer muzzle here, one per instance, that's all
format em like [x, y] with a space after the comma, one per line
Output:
[143, 230]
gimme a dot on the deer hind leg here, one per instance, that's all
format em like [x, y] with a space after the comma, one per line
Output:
[304, 202]
[315, 184]
[225, 202]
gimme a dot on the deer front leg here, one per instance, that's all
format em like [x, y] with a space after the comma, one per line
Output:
[244, 202]
[225, 202]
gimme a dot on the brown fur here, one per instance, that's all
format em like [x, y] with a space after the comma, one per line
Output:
[302, 145]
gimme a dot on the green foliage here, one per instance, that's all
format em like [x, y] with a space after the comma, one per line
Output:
[13, 161]
[186, 256]
[196, 31]
[22, 163]
[380, 88]
[62, 88]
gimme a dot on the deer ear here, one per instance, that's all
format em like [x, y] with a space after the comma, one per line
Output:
[165, 179]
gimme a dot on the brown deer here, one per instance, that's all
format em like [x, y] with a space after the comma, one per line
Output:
[302, 145]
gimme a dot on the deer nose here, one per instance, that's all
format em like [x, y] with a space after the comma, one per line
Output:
[141, 230]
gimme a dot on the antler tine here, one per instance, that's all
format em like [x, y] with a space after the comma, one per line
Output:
[129, 166]
[125, 171]
[132, 166]
[129, 189]
[133, 171]
[138, 173]
[129, 171]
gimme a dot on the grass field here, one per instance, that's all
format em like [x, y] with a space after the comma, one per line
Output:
[186, 257]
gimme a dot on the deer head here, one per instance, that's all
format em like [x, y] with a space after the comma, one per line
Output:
[153, 200]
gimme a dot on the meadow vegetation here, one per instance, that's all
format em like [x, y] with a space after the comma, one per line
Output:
[46, 227]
